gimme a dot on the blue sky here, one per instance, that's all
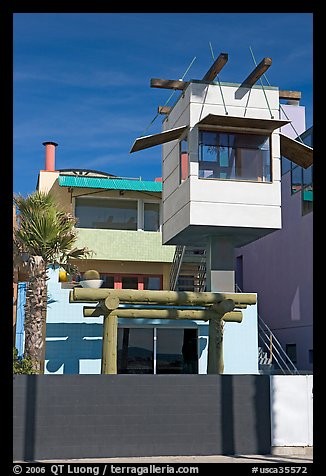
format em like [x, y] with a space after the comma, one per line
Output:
[82, 79]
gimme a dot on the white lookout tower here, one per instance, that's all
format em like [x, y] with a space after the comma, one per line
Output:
[222, 147]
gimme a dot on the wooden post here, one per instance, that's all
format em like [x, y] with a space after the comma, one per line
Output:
[109, 345]
[215, 362]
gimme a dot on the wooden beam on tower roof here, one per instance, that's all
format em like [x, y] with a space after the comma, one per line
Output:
[168, 84]
[216, 67]
[257, 72]
[283, 94]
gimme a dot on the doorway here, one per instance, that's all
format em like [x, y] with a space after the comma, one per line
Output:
[157, 350]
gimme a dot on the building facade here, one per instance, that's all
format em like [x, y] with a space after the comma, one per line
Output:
[279, 267]
[120, 220]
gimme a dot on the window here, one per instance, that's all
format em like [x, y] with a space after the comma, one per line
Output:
[129, 281]
[135, 351]
[184, 160]
[291, 352]
[108, 281]
[186, 283]
[106, 213]
[296, 179]
[234, 156]
[152, 282]
[176, 351]
[151, 216]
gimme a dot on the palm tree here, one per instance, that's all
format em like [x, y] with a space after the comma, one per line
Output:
[45, 236]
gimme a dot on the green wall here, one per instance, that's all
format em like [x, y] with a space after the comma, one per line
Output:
[125, 245]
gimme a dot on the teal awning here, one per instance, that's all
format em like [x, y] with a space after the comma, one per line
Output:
[109, 183]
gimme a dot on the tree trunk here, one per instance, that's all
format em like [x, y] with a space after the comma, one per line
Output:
[34, 311]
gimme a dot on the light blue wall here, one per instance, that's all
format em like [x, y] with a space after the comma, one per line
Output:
[74, 343]
[20, 317]
[241, 344]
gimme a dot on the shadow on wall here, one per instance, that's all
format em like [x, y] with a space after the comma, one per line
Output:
[74, 342]
[245, 421]
[30, 418]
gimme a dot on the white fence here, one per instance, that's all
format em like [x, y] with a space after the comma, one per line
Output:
[292, 410]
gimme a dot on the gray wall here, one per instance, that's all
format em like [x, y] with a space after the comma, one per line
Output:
[93, 416]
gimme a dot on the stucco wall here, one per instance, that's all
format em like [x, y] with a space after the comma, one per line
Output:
[279, 267]
[292, 410]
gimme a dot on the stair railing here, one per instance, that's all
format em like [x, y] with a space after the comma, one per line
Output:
[176, 265]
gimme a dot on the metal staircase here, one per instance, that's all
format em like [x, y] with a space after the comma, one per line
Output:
[188, 273]
[188, 270]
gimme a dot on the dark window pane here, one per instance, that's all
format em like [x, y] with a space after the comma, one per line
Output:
[208, 138]
[296, 179]
[186, 283]
[129, 282]
[151, 216]
[106, 213]
[135, 351]
[176, 351]
[307, 176]
[152, 282]
[291, 351]
[108, 281]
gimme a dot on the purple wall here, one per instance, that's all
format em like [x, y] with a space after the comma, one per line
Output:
[279, 268]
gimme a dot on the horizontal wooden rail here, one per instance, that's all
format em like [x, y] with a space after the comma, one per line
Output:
[198, 315]
[159, 297]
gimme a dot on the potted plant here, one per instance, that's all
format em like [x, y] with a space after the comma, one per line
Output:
[91, 279]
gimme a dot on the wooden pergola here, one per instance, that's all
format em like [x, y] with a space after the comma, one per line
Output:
[217, 308]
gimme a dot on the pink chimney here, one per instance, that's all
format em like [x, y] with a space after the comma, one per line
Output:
[50, 155]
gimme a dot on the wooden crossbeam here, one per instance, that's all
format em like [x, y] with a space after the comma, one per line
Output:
[216, 67]
[168, 84]
[283, 94]
[257, 72]
[180, 298]
[202, 315]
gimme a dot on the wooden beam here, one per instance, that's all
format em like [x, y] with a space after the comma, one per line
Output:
[296, 152]
[283, 94]
[201, 315]
[164, 109]
[257, 72]
[168, 84]
[159, 297]
[156, 139]
[216, 67]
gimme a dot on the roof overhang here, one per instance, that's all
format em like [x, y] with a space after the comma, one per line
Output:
[245, 124]
[297, 152]
[156, 139]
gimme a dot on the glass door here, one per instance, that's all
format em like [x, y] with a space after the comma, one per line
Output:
[157, 350]
[176, 351]
[135, 351]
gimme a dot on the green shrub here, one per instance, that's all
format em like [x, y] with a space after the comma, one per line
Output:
[21, 365]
